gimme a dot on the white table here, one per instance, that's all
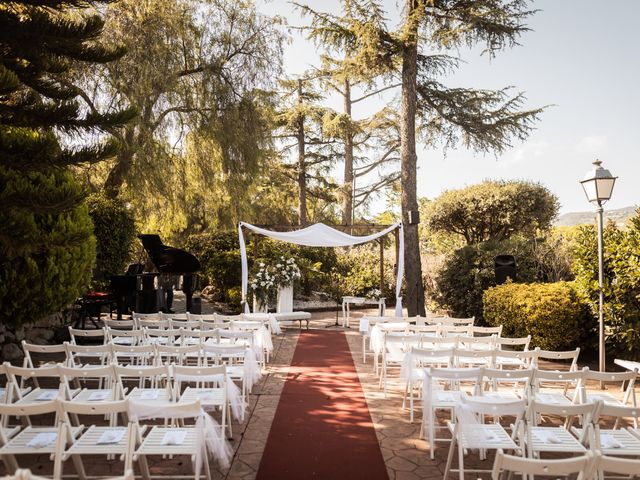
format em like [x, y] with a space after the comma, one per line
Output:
[346, 311]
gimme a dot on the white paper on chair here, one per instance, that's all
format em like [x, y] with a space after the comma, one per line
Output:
[149, 395]
[99, 396]
[111, 436]
[545, 436]
[547, 398]
[207, 395]
[42, 440]
[123, 340]
[47, 395]
[609, 441]
[175, 437]
[446, 396]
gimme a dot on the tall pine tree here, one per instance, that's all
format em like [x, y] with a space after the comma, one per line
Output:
[46, 243]
[484, 120]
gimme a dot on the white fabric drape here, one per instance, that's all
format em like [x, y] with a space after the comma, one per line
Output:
[321, 235]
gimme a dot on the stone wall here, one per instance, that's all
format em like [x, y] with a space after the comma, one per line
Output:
[42, 332]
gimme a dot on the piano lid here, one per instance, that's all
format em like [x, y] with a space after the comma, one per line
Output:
[168, 259]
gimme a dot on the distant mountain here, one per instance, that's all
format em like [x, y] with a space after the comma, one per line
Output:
[620, 216]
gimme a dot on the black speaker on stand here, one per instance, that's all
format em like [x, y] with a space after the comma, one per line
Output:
[505, 267]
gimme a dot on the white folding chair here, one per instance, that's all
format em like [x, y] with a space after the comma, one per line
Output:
[627, 395]
[469, 432]
[570, 356]
[88, 356]
[376, 340]
[505, 465]
[145, 383]
[394, 348]
[615, 465]
[515, 359]
[558, 438]
[240, 360]
[200, 440]
[553, 386]
[262, 337]
[413, 369]
[211, 388]
[125, 337]
[145, 316]
[456, 322]
[465, 358]
[475, 331]
[454, 330]
[104, 378]
[514, 343]
[507, 384]
[94, 440]
[54, 354]
[617, 441]
[184, 323]
[153, 324]
[133, 354]
[31, 440]
[119, 324]
[18, 376]
[180, 355]
[436, 397]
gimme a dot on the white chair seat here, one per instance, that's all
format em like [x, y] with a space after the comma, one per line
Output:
[19, 444]
[490, 436]
[504, 396]
[152, 443]
[446, 398]
[552, 398]
[88, 442]
[9, 432]
[207, 396]
[88, 395]
[39, 395]
[555, 439]
[619, 442]
[604, 397]
[150, 395]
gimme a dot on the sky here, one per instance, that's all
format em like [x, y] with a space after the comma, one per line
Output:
[582, 59]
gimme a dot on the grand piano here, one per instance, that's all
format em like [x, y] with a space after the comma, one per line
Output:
[141, 291]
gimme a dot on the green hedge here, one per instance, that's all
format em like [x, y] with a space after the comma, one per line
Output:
[45, 257]
[554, 314]
[115, 229]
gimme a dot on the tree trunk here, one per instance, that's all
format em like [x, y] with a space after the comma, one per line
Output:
[302, 167]
[120, 171]
[347, 186]
[408, 169]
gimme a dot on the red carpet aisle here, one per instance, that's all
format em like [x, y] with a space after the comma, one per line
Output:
[322, 427]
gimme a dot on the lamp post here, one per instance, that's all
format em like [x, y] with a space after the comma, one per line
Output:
[598, 186]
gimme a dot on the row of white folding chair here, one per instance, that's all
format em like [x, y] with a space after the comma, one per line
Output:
[488, 382]
[529, 438]
[110, 384]
[546, 386]
[133, 442]
[583, 467]
[239, 361]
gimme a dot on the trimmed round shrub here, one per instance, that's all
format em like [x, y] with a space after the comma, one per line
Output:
[45, 257]
[114, 228]
[554, 314]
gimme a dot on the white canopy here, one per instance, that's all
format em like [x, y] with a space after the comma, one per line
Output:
[321, 235]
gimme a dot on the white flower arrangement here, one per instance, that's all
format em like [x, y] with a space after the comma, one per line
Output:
[268, 279]
[374, 293]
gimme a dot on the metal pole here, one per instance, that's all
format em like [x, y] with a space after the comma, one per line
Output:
[601, 352]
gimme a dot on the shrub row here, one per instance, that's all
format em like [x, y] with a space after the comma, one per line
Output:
[554, 314]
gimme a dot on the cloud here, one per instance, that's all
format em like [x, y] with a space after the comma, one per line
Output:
[528, 151]
[591, 144]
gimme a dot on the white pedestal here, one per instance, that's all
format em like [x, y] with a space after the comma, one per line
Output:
[259, 307]
[285, 300]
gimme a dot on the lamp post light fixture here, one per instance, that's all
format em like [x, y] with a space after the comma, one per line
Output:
[598, 186]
